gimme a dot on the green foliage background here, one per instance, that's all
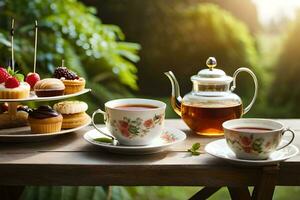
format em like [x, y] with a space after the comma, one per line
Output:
[285, 89]
[180, 36]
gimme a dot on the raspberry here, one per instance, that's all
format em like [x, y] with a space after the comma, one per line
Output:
[64, 72]
[12, 82]
[3, 75]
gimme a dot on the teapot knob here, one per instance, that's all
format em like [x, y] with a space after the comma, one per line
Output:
[211, 62]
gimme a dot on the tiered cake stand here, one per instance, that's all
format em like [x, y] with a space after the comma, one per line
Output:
[23, 134]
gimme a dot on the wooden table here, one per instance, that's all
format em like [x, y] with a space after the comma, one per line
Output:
[70, 160]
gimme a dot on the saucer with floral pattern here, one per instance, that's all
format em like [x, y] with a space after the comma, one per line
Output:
[169, 137]
[220, 149]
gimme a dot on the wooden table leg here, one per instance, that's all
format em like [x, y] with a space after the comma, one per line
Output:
[109, 191]
[11, 192]
[237, 193]
[265, 188]
[204, 193]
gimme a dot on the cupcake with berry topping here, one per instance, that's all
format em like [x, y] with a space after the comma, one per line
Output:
[12, 85]
[71, 80]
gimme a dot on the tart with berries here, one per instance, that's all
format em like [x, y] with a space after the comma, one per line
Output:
[12, 85]
[71, 80]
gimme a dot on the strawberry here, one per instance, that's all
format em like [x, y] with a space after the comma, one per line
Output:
[32, 78]
[3, 75]
[12, 82]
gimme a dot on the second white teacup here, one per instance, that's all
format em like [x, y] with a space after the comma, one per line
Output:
[255, 139]
[133, 121]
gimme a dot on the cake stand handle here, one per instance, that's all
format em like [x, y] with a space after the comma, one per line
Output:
[12, 110]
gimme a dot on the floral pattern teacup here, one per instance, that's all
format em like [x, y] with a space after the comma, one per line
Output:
[253, 145]
[133, 127]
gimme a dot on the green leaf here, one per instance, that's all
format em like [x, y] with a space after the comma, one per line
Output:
[103, 139]
[20, 77]
[194, 149]
[196, 146]
[10, 71]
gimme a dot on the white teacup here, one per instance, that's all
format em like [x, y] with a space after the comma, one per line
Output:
[254, 139]
[133, 121]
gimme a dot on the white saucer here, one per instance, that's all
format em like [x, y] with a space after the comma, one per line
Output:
[219, 149]
[23, 134]
[169, 137]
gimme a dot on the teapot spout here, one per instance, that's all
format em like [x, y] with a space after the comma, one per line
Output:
[175, 97]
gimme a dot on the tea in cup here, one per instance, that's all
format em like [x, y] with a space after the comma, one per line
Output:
[255, 139]
[133, 121]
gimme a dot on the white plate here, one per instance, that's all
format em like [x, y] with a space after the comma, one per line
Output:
[169, 137]
[219, 149]
[23, 134]
[33, 97]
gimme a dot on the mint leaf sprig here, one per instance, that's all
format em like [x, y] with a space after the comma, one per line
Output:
[104, 140]
[194, 150]
[13, 73]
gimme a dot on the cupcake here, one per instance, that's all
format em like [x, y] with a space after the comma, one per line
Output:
[49, 87]
[12, 85]
[45, 120]
[73, 113]
[72, 82]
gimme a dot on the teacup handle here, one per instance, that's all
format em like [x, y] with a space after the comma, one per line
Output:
[99, 111]
[244, 69]
[291, 140]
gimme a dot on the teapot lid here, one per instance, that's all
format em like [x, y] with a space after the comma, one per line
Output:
[211, 75]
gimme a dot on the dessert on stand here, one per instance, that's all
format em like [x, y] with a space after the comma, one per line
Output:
[73, 83]
[73, 113]
[21, 123]
[15, 120]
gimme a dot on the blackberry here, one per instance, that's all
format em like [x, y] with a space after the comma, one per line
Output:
[64, 72]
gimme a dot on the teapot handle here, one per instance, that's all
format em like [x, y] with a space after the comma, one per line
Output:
[243, 69]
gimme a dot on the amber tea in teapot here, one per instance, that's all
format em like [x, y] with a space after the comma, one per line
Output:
[211, 101]
[208, 120]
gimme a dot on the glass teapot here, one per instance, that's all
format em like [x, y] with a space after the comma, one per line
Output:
[211, 101]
